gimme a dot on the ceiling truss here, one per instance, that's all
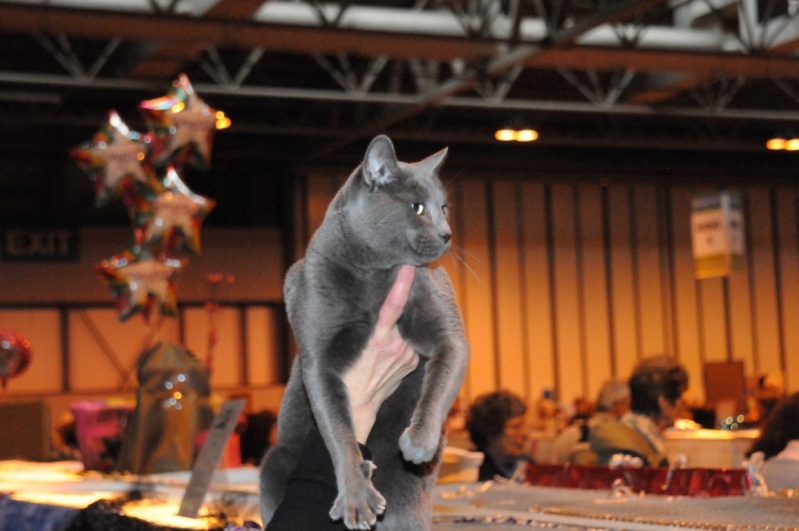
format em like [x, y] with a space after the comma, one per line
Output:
[358, 68]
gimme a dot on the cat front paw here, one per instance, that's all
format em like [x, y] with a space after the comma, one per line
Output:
[418, 446]
[359, 504]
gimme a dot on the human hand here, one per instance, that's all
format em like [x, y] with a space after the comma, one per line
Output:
[385, 361]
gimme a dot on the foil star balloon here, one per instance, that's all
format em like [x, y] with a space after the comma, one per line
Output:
[177, 216]
[183, 125]
[141, 284]
[116, 160]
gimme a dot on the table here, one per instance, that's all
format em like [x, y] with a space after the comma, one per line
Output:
[486, 506]
[710, 448]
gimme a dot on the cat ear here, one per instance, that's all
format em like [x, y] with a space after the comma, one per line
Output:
[380, 163]
[431, 163]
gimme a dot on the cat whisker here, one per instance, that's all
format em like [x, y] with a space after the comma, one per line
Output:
[451, 177]
[453, 256]
[466, 253]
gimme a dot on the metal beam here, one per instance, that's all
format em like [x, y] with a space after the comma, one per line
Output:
[662, 61]
[203, 33]
[187, 35]
[167, 59]
[290, 93]
[617, 12]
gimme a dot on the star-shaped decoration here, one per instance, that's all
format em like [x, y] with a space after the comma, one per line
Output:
[141, 284]
[177, 217]
[116, 160]
[183, 124]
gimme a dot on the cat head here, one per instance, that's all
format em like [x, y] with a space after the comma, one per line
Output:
[399, 208]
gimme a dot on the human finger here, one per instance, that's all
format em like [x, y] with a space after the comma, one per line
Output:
[395, 301]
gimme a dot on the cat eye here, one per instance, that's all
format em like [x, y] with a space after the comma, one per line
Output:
[445, 209]
[418, 208]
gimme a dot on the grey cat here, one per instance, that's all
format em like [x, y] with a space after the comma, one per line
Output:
[387, 214]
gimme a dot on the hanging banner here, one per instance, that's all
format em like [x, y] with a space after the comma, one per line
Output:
[717, 234]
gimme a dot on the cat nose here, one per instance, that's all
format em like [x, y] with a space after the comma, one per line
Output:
[446, 237]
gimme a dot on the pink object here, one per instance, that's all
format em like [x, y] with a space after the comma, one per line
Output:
[99, 427]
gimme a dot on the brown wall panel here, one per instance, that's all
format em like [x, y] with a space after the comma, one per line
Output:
[766, 322]
[506, 280]
[688, 348]
[648, 274]
[568, 361]
[538, 331]
[263, 345]
[623, 289]
[478, 298]
[786, 201]
[596, 355]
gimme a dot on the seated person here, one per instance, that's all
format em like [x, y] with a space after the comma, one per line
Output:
[455, 425]
[656, 386]
[497, 426]
[572, 444]
[779, 442]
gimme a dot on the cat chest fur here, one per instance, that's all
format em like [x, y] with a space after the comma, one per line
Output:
[340, 306]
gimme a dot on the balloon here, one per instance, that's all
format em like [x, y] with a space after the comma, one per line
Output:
[182, 124]
[141, 284]
[177, 216]
[116, 160]
[15, 355]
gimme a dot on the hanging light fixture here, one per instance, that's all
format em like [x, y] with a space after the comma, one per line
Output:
[775, 144]
[514, 134]
[505, 135]
[783, 142]
[526, 135]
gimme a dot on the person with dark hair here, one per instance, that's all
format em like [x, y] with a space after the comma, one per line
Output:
[497, 426]
[656, 388]
[656, 385]
[779, 442]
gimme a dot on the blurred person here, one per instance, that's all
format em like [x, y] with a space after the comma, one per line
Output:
[572, 445]
[259, 434]
[656, 386]
[65, 440]
[779, 442]
[455, 425]
[582, 410]
[497, 424]
[764, 394]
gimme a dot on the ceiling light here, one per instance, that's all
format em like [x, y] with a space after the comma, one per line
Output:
[505, 135]
[516, 135]
[222, 121]
[526, 135]
[785, 141]
[775, 143]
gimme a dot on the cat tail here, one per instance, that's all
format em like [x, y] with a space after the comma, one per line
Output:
[276, 467]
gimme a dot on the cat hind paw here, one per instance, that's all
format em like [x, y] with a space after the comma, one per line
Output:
[359, 507]
[417, 448]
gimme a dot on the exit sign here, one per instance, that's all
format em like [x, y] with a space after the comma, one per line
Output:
[39, 244]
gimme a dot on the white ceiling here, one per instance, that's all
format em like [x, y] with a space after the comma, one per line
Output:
[711, 60]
